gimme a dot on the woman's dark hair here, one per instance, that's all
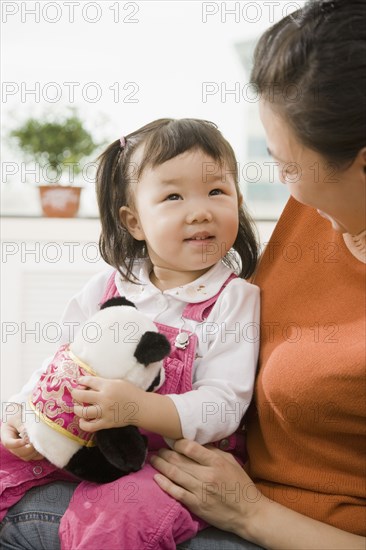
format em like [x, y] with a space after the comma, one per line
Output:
[311, 66]
[161, 140]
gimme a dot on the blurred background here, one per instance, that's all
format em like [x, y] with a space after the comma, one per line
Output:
[103, 69]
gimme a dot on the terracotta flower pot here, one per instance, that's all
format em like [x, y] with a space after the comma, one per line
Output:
[59, 201]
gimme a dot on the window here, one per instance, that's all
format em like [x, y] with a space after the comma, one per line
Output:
[265, 195]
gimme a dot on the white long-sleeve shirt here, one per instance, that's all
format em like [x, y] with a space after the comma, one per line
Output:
[227, 349]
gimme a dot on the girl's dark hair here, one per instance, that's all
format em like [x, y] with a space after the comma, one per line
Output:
[162, 140]
[311, 66]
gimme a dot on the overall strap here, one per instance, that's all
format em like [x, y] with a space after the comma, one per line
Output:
[201, 310]
[110, 289]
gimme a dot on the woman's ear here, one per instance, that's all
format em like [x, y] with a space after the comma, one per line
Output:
[130, 220]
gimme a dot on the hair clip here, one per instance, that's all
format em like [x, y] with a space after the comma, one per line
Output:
[122, 142]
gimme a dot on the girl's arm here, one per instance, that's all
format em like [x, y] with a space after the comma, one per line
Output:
[224, 373]
[117, 403]
[214, 487]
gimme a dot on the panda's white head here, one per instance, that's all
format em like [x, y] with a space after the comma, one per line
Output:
[121, 342]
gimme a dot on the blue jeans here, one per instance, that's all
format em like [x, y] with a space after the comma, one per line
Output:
[32, 524]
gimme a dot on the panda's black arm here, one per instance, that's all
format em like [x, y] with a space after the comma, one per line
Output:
[125, 448]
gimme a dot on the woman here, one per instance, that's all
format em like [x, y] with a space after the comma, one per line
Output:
[303, 485]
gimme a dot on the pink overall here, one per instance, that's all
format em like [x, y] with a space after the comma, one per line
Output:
[133, 513]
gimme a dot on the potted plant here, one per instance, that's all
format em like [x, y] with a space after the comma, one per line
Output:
[58, 145]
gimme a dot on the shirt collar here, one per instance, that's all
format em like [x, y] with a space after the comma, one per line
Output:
[199, 290]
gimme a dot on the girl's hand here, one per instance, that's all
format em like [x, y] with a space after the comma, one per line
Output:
[209, 482]
[107, 403]
[14, 438]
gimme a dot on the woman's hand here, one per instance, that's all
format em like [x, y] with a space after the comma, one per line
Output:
[107, 403]
[209, 482]
[14, 437]
[214, 487]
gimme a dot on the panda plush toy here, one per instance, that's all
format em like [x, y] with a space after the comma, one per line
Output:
[125, 345]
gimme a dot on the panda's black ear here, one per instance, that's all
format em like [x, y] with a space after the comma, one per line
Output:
[117, 301]
[152, 347]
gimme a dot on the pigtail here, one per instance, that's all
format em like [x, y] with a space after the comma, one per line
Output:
[246, 245]
[117, 247]
[107, 194]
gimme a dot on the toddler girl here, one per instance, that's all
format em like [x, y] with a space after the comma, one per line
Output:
[180, 244]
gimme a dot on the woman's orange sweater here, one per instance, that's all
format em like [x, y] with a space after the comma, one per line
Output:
[306, 432]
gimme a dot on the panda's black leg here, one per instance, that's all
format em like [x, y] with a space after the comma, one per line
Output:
[90, 463]
[125, 447]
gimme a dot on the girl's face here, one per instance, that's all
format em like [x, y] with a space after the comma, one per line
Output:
[338, 195]
[187, 211]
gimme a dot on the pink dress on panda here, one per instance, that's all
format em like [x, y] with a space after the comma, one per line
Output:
[51, 398]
